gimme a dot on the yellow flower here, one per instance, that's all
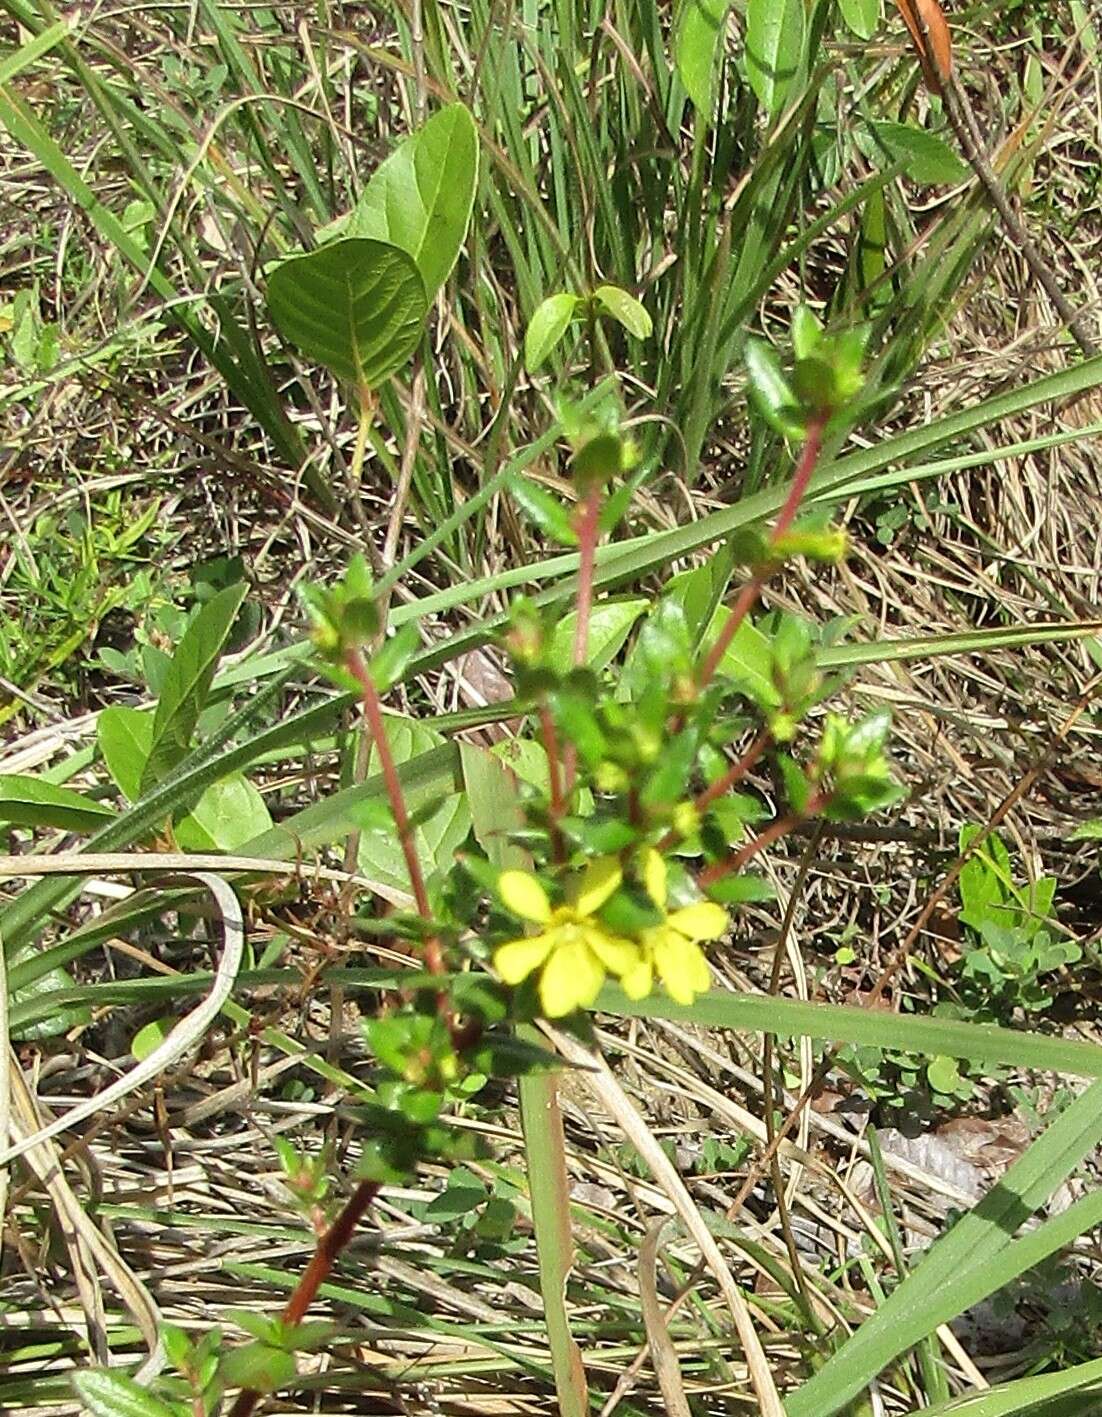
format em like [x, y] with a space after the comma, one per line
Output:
[572, 951]
[672, 949]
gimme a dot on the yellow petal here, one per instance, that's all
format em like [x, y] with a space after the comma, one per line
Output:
[703, 921]
[571, 979]
[618, 956]
[638, 982]
[521, 893]
[654, 876]
[517, 959]
[681, 966]
[599, 879]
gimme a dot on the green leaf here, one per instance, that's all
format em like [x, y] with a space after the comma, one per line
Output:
[972, 1260]
[544, 510]
[943, 1074]
[862, 16]
[1088, 831]
[125, 738]
[700, 29]
[770, 390]
[1060, 1394]
[436, 837]
[357, 306]
[748, 660]
[774, 49]
[420, 198]
[549, 1193]
[983, 1044]
[29, 802]
[187, 684]
[149, 1038]
[228, 814]
[929, 159]
[610, 624]
[625, 309]
[494, 805]
[108, 1394]
[546, 328]
[258, 1366]
[389, 665]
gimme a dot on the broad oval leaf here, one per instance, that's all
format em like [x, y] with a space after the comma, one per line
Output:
[125, 738]
[107, 1394]
[356, 306]
[421, 197]
[625, 309]
[228, 814]
[699, 32]
[862, 16]
[774, 49]
[187, 683]
[609, 626]
[29, 802]
[546, 327]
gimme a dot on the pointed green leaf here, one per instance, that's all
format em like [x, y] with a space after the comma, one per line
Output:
[544, 510]
[29, 802]
[928, 157]
[108, 1394]
[358, 307]
[700, 31]
[1074, 1392]
[150, 1037]
[625, 309]
[420, 198]
[125, 738]
[770, 390]
[546, 327]
[187, 683]
[774, 49]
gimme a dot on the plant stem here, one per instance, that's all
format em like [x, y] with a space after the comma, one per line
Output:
[781, 827]
[735, 773]
[588, 531]
[317, 1271]
[554, 768]
[813, 447]
[373, 717]
[588, 527]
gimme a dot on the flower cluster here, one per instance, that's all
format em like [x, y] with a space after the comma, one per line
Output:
[574, 950]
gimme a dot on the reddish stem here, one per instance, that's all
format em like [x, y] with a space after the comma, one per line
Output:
[812, 449]
[781, 827]
[735, 773]
[551, 748]
[588, 527]
[317, 1271]
[373, 717]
